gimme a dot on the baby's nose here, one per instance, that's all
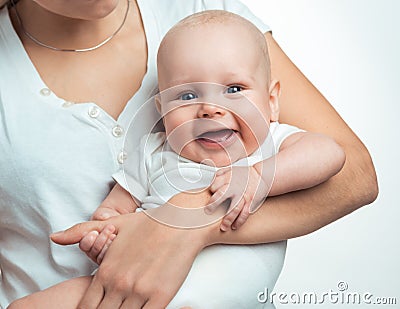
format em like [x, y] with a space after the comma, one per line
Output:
[210, 111]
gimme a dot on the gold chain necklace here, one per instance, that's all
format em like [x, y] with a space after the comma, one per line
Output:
[40, 43]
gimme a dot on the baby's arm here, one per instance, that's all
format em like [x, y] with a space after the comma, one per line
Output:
[119, 201]
[304, 160]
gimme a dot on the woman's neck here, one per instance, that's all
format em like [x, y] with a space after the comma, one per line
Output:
[77, 32]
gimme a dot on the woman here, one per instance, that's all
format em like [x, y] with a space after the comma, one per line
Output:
[57, 160]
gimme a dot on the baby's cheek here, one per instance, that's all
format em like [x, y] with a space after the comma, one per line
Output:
[253, 136]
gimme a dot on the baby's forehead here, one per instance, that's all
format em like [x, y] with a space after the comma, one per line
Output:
[217, 33]
[217, 23]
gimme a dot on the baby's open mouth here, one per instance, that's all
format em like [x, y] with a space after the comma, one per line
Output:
[219, 136]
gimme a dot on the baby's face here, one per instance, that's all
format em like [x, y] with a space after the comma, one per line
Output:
[214, 94]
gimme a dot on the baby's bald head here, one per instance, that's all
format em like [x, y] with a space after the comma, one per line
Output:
[201, 24]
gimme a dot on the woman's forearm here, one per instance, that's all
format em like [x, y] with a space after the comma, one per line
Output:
[298, 213]
[302, 212]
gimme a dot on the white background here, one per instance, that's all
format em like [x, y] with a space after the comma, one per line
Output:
[349, 49]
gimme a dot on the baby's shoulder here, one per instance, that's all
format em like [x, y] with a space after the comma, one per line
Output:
[152, 142]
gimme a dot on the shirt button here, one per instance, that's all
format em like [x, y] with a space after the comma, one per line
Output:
[67, 104]
[117, 131]
[94, 111]
[45, 92]
[121, 157]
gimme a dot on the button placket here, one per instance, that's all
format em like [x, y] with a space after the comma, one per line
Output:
[115, 130]
[118, 132]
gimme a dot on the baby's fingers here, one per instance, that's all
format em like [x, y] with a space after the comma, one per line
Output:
[87, 241]
[104, 213]
[100, 242]
[216, 199]
[231, 216]
[241, 219]
[105, 248]
[222, 178]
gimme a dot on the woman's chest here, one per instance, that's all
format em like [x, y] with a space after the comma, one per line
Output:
[108, 78]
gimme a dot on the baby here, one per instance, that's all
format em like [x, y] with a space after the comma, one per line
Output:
[220, 111]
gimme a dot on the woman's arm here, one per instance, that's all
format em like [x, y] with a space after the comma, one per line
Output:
[302, 212]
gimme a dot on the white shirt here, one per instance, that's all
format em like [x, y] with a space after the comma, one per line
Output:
[57, 158]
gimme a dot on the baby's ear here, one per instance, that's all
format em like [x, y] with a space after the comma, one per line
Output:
[274, 93]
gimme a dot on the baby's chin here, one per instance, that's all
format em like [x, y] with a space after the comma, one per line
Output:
[216, 161]
[215, 158]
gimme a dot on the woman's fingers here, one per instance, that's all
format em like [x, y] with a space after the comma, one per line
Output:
[112, 301]
[135, 271]
[93, 296]
[154, 303]
[133, 302]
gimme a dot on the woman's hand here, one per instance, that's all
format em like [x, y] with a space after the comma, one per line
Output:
[145, 265]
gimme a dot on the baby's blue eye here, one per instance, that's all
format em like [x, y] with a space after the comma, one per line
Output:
[188, 96]
[233, 89]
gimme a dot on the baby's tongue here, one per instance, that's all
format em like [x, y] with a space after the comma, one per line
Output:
[216, 136]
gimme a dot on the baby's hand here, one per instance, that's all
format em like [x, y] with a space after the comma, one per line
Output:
[118, 202]
[104, 212]
[246, 189]
[96, 244]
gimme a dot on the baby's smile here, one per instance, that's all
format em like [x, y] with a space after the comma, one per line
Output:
[220, 138]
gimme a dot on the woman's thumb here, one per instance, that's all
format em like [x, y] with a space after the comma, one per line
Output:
[75, 233]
